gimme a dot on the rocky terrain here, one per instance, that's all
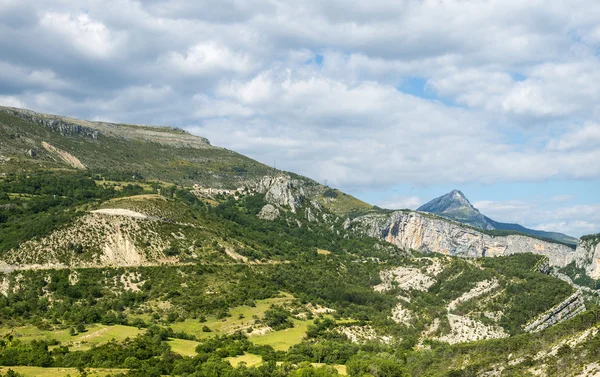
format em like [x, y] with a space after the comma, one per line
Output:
[588, 255]
[569, 308]
[73, 127]
[423, 232]
[455, 206]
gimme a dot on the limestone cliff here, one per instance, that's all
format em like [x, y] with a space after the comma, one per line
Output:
[588, 255]
[424, 232]
[282, 190]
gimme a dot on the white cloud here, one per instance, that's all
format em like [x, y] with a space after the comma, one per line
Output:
[512, 88]
[91, 37]
[209, 58]
[552, 216]
[586, 137]
[401, 202]
[11, 101]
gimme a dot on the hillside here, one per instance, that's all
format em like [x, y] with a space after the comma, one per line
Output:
[455, 206]
[196, 261]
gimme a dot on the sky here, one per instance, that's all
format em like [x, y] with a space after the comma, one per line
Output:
[395, 102]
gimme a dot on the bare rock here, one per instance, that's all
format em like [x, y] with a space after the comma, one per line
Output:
[269, 212]
[424, 232]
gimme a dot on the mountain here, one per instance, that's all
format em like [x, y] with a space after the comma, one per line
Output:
[455, 206]
[148, 251]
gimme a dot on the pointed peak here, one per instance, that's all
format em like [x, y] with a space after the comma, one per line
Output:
[453, 199]
[458, 195]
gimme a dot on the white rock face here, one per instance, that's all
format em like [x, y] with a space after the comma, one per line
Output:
[269, 212]
[588, 257]
[465, 329]
[282, 190]
[409, 278]
[482, 288]
[418, 231]
[570, 307]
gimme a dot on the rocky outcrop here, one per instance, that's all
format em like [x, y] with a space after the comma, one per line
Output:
[424, 232]
[75, 127]
[282, 190]
[269, 212]
[455, 206]
[570, 307]
[56, 124]
[64, 155]
[587, 255]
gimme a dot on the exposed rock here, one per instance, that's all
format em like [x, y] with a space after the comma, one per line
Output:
[310, 216]
[282, 190]
[402, 315]
[409, 278]
[75, 127]
[588, 256]
[455, 206]
[465, 329]
[362, 334]
[482, 288]
[120, 212]
[418, 231]
[543, 266]
[269, 212]
[570, 307]
[31, 152]
[65, 156]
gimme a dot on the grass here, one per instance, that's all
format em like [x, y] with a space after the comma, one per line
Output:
[339, 367]
[343, 203]
[60, 372]
[95, 335]
[240, 319]
[183, 347]
[248, 358]
[284, 339]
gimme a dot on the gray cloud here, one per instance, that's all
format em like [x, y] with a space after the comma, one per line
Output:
[511, 87]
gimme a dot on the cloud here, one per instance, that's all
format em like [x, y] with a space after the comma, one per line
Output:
[86, 35]
[11, 101]
[365, 96]
[401, 202]
[209, 58]
[552, 215]
[586, 137]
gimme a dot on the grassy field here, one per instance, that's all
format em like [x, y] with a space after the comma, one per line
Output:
[240, 319]
[95, 335]
[183, 347]
[284, 339]
[248, 358]
[60, 372]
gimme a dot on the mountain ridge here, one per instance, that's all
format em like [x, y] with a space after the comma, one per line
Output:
[455, 206]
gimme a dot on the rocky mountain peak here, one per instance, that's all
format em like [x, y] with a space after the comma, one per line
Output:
[455, 199]
[455, 206]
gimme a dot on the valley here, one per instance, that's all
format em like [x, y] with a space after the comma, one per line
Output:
[141, 251]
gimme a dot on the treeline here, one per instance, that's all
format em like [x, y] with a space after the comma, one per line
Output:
[149, 355]
[35, 204]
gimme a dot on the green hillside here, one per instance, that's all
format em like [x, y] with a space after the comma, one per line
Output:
[127, 252]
